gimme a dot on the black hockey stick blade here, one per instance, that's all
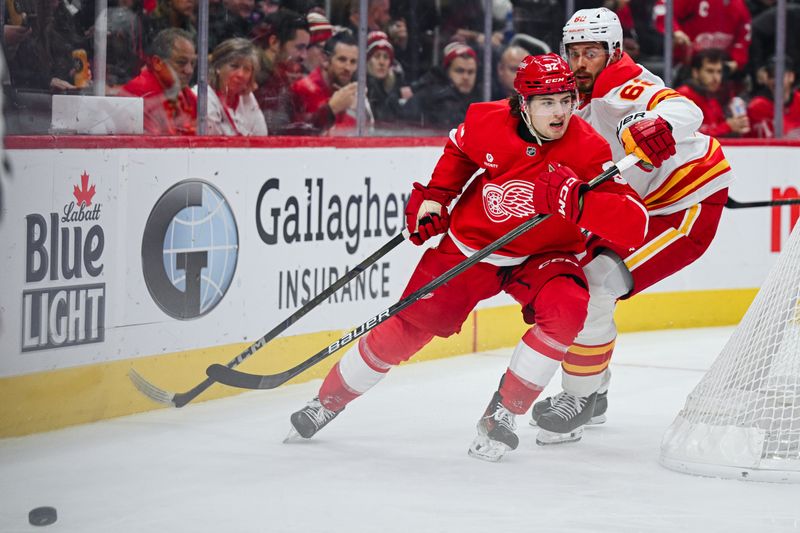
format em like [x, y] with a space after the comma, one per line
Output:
[733, 204]
[179, 399]
[236, 378]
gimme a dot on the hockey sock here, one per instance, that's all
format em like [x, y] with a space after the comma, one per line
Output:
[584, 367]
[357, 372]
[518, 395]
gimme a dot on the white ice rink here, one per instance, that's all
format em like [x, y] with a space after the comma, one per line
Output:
[394, 461]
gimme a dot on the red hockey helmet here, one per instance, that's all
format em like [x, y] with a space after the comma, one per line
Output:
[544, 74]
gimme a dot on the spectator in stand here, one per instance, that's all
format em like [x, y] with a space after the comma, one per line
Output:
[326, 98]
[463, 21]
[170, 106]
[321, 30]
[442, 97]
[412, 32]
[233, 20]
[503, 84]
[43, 58]
[723, 24]
[283, 37]
[707, 89]
[171, 14]
[641, 40]
[232, 108]
[378, 16]
[383, 82]
[125, 49]
[761, 107]
[541, 19]
[763, 46]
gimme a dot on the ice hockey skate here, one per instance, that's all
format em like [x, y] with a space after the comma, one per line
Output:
[598, 417]
[564, 420]
[309, 420]
[495, 432]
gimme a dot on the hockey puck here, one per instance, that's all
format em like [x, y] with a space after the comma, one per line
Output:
[42, 516]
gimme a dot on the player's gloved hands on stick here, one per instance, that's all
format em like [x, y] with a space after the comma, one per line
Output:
[558, 192]
[426, 214]
[647, 136]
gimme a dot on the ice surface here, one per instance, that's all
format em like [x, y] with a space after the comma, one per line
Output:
[394, 461]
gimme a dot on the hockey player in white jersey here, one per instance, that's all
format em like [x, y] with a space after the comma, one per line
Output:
[683, 179]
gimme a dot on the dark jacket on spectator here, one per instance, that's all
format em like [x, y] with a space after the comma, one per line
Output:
[436, 103]
[385, 104]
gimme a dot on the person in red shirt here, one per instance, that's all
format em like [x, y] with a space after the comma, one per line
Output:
[723, 24]
[326, 98]
[170, 106]
[530, 155]
[707, 90]
[761, 109]
[283, 37]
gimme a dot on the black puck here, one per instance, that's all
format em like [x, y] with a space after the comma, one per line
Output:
[42, 516]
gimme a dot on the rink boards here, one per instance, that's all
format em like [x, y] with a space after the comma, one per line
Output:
[169, 255]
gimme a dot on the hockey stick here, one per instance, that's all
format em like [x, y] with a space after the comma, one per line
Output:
[733, 204]
[236, 378]
[179, 399]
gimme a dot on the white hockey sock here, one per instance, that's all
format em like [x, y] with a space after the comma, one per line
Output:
[531, 365]
[356, 374]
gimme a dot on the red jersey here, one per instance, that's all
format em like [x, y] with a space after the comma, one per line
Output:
[714, 121]
[723, 24]
[162, 116]
[311, 95]
[761, 112]
[500, 198]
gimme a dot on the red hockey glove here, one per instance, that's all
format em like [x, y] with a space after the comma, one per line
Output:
[649, 137]
[426, 214]
[559, 192]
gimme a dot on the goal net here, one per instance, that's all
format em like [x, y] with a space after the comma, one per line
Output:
[743, 419]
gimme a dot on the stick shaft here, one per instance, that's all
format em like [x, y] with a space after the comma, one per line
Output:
[733, 204]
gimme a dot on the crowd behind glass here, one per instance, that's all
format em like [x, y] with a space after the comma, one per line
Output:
[290, 67]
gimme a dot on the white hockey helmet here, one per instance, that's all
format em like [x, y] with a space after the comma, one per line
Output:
[594, 25]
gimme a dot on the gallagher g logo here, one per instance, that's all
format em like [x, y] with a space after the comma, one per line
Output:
[189, 249]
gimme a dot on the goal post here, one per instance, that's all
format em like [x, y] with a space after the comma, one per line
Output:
[742, 420]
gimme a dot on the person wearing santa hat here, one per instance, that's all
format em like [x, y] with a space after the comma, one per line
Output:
[384, 81]
[321, 30]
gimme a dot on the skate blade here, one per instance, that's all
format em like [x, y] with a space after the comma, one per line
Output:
[486, 449]
[293, 436]
[594, 421]
[546, 438]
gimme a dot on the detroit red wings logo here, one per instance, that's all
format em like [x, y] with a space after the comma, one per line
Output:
[512, 199]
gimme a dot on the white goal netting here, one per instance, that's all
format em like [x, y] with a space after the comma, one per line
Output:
[743, 419]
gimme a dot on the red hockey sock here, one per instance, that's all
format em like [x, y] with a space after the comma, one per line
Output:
[334, 394]
[518, 395]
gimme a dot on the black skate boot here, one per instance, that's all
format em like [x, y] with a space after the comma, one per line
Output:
[564, 420]
[495, 432]
[598, 417]
[310, 419]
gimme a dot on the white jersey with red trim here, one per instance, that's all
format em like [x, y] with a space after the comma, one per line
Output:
[696, 171]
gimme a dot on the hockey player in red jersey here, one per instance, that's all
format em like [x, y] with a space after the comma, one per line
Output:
[534, 157]
[683, 179]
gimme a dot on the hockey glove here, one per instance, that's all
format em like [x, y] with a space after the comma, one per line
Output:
[559, 192]
[426, 214]
[647, 136]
